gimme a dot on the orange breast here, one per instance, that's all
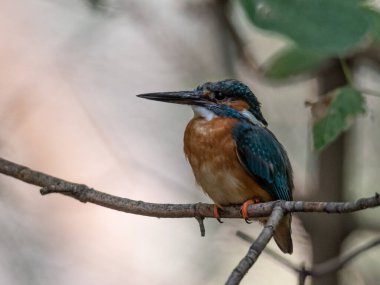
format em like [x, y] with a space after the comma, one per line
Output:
[211, 151]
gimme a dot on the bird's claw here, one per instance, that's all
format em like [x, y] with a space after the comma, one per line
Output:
[217, 214]
[244, 208]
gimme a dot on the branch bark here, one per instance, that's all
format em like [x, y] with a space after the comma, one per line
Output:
[257, 247]
[83, 193]
[337, 263]
[275, 210]
[330, 266]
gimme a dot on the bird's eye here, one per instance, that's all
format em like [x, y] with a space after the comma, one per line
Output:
[219, 95]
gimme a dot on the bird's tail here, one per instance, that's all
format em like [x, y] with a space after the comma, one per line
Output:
[282, 234]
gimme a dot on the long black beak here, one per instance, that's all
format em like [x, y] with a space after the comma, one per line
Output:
[180, 97]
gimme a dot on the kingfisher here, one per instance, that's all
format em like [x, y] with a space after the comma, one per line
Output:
[235, 158]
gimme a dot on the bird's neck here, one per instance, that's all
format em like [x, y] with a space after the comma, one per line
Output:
[209, 115]
[203, 112]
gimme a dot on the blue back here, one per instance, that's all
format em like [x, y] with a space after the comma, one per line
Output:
[265, 159]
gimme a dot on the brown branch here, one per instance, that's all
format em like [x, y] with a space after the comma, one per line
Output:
[257, 247]
[275, 209]
[270, 252]
[339, 262]
[334, 264]
[83, 193]
[201, 225]
[327, 267]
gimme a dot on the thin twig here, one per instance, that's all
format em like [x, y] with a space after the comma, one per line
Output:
[322, 269]
[270, 252]
[339, 262]
[257, 247]
[201, 225]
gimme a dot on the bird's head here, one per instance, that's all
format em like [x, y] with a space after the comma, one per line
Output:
[216, 98]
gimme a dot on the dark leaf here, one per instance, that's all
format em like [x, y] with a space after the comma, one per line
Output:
[375, 24]
[330, 27]
[292, 61]
[346, 104]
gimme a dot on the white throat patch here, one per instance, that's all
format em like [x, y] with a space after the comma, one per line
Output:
[209, 115]
[251, 117]
[203, 112]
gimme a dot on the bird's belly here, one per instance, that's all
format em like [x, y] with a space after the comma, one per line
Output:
[211, 151]
[221, 184]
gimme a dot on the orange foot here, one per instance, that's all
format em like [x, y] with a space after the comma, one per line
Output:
[216, 214]
[244, 208]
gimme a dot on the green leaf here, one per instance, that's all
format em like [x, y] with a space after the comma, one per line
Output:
[330, 27]
[375, 24]
[347, 103]
[292, 61]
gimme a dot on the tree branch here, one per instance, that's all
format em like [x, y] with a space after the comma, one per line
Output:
[257, 247]
[83, 193]
[339, 262]
[275, 209]
[327, 267]
[270, 252]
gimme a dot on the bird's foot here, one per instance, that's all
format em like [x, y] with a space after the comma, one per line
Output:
[244, 208]
[217, 214]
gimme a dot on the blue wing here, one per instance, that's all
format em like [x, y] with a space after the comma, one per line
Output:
[263, 156]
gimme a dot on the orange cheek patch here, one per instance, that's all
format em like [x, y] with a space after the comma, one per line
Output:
[206, 94]
[238, 105]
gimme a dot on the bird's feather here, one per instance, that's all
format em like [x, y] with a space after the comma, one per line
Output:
[265, 159]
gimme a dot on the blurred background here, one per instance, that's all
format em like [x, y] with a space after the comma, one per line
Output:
[69, 73]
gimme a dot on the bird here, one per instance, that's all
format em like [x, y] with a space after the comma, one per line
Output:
[235, 158]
